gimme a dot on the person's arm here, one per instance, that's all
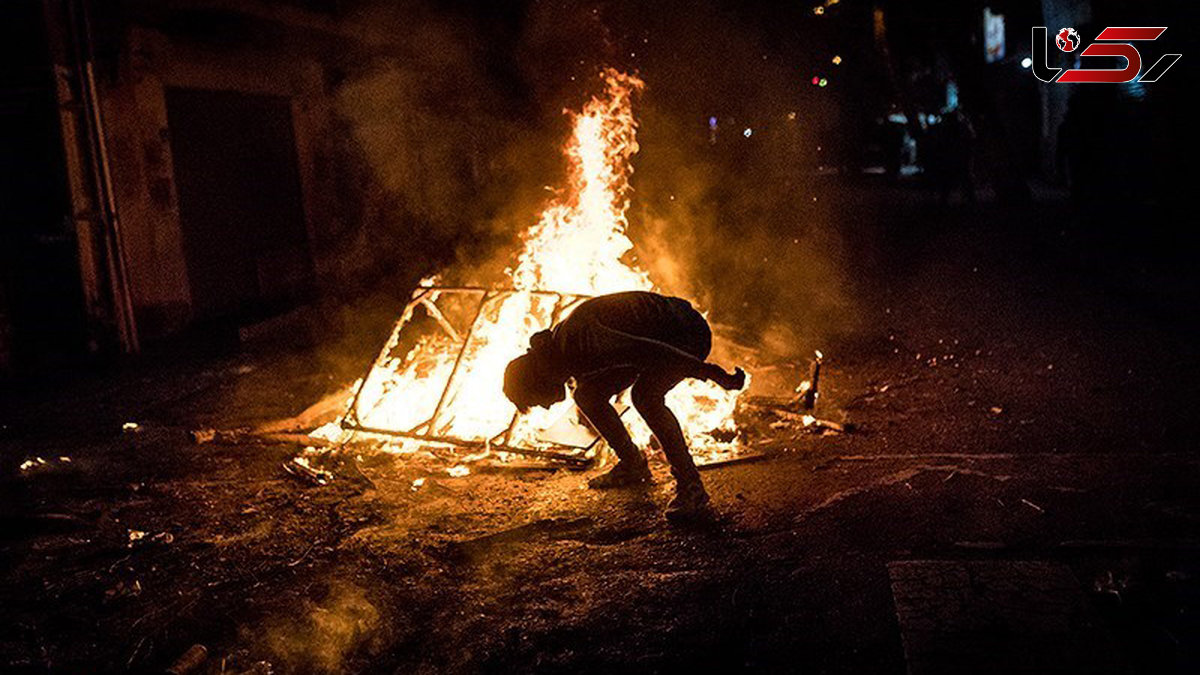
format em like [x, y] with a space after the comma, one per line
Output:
[623, 348]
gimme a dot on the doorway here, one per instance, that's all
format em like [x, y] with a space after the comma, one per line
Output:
[240, 208]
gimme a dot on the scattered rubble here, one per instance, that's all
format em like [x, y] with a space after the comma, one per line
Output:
[41, 462]
[202, 436]
[141, 537]
[1033, 506]
[787, 418]
[249, 436]
[301, 468]
[124, 589]
[730, 461]
[30, 463]
[190, 661]
[809, 390]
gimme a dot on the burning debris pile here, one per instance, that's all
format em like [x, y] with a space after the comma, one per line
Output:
[437, 381]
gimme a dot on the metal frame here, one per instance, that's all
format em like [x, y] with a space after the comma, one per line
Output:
[427, 297]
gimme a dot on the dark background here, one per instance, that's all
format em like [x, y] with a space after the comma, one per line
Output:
[1002, 281]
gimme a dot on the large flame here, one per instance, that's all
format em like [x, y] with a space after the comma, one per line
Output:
[578, 246]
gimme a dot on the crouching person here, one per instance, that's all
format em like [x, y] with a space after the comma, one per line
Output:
[608, 344]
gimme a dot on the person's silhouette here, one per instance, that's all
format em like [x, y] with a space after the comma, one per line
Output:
[608, 344]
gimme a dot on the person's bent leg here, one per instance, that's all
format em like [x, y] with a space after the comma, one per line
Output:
[593, 397]
[649, 397]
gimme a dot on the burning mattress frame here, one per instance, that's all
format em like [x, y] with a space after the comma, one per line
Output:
[569, 442]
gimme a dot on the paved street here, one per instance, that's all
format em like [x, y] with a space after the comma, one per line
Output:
[1019, 494]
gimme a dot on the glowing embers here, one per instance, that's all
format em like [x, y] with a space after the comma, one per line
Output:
[439, 377]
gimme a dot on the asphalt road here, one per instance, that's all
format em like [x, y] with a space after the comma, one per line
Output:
[1020, 495]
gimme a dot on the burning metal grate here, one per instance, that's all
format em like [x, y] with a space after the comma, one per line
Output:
[437, 319]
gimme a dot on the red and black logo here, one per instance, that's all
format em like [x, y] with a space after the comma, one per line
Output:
[1112, 41]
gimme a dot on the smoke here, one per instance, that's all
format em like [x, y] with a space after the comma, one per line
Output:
[461, 134]
[443, 134]
[728, 209]
[740, 232]
[321, 637]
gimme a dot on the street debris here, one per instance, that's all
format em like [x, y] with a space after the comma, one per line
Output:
[809, 389]
[124, 589]
[40, 462]
[1107, 583]
[139, 537]
[30, 463]
[301, 468]
[257, 668]
[247, 436]
[190, 661]
[828, 425]
[739, 459]
[790, 419]
[792, 411]
[202, 436]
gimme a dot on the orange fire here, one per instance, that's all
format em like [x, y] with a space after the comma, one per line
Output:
[577, 247]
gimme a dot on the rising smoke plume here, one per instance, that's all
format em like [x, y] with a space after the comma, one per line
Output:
[463, 134]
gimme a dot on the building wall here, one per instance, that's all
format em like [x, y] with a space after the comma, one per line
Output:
[139, 135]
[63, 297]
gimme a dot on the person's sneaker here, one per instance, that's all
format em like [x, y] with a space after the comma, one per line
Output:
[624, 474]
[689, 505]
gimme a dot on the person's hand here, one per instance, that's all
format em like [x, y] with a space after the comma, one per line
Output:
[730, 381]
[738, 380]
